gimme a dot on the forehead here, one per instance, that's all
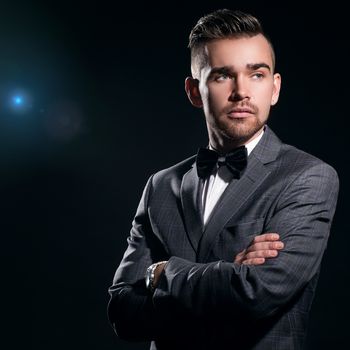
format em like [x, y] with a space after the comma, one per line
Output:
[238, 52]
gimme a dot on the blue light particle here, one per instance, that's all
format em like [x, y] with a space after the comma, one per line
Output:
[18, 100]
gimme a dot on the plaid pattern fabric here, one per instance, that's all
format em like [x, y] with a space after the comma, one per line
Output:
[204, 300]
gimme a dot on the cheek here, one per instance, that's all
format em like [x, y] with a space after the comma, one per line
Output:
[264, 97]
[218, 96]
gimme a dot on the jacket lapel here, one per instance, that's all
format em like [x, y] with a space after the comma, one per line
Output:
[235, 195]
[190, 192]
[239, 191]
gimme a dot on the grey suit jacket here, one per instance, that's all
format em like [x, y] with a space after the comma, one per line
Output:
[204, 300]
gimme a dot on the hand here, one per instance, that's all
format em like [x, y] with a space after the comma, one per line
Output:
[159, 269]
[262, 247]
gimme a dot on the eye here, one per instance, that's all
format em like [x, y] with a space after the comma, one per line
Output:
[222, 77]
[258, 76]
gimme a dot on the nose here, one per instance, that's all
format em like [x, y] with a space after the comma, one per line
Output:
[240, 89]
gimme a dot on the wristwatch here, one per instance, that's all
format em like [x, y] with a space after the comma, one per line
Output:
[149, 277]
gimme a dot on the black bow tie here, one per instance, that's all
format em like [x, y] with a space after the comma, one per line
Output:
[207, 159]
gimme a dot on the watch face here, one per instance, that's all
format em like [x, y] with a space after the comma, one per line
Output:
[148, 278]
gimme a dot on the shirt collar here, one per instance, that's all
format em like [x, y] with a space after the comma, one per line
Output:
[251, 145]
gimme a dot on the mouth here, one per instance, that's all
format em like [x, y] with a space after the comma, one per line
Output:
[237, 113]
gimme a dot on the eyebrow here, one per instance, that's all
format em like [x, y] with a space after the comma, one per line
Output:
[221, 70]
[249, 66]
[256, 66]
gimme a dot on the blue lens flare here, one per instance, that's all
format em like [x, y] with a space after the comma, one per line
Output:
[17, 100]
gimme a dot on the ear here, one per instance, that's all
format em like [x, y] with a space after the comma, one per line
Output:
[192, 91]
[276, 88]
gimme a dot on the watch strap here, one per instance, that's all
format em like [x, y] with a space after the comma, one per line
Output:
[150, 275]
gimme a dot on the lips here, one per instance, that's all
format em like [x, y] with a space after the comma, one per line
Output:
[240, 113]
[241, 110]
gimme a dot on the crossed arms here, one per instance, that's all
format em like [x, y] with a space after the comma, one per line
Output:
[302, 218]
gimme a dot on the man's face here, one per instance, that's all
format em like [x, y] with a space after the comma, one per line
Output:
[237, 88]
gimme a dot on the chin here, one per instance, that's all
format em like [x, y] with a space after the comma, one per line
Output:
[242, 132]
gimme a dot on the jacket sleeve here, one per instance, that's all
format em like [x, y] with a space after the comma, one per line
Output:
[131, 311]
[302, 216]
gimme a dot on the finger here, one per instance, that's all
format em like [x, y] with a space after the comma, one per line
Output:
[239, 257]
[255, 261]
[261, 254]
[266, 237]
[265, 246]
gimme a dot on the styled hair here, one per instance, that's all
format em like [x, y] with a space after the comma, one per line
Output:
[221, 24]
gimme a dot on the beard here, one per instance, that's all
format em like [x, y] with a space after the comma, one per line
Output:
[238, 130]
[229, 132]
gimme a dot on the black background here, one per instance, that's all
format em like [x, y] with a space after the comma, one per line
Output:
[105, 108]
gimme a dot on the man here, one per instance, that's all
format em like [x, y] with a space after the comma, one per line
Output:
[226, 246]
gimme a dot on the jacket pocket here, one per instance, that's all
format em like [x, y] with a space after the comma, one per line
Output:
[236, 237]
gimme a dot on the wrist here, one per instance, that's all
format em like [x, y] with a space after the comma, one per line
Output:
[152, 275]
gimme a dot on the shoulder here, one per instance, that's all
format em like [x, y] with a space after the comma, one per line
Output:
[301, 162]
[302, 173]
[287, 162]
[175, 172]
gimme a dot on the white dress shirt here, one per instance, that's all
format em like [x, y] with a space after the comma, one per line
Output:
[216, 183]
